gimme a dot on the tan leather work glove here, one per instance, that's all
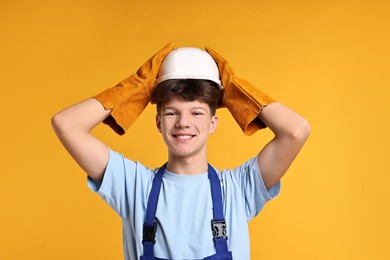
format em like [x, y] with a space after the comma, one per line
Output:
[130, 96]
[243, 100]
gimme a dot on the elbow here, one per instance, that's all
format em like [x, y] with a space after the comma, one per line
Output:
[301, 131]
[59, 123]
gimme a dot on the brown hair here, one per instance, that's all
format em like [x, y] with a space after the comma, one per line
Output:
[202, 90]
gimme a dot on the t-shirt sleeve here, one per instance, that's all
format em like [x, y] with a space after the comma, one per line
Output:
[252, 187]
[124, 182]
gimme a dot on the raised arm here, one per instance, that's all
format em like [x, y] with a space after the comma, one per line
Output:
[73, 127]
[118, 107]
[291, 131]
[253, 110]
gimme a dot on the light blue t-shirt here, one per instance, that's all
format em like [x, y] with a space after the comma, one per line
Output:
[184, 210]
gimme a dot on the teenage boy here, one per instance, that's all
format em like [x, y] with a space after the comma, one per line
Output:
[186, 209]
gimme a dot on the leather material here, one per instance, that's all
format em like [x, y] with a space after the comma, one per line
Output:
[129, 97]
[243, 100]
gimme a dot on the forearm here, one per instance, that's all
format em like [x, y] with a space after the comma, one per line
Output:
[81, 117]
[284, 122]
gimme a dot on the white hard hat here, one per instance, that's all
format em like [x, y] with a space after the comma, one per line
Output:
[188, 63]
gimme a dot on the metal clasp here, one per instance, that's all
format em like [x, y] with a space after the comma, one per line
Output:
[219, 228]
[149, 233]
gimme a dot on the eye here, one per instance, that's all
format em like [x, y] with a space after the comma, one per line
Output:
[197, 113]
[169, 113]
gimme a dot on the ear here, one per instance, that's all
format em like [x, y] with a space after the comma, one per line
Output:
[158, 123]
[213, 124]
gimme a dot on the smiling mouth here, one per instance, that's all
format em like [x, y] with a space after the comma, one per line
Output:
[183, 137]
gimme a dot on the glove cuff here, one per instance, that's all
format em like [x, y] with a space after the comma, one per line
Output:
[245, 103]
[127, 100]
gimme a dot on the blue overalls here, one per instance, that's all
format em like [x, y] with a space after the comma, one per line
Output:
[218, 224]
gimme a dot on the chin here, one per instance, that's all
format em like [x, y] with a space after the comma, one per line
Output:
[183, 153]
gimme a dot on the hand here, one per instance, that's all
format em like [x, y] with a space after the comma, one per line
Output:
[129, 97]
[243, 100]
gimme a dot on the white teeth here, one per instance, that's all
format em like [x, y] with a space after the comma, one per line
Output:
[184, 136]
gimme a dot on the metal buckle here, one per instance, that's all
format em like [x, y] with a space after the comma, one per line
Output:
[219, 228]
[149, 233]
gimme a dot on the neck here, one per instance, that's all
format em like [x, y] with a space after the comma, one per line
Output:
[187, 166]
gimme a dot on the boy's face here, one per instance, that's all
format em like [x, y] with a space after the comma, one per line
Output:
[185, 126]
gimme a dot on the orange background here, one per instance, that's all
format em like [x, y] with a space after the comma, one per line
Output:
[328, 60]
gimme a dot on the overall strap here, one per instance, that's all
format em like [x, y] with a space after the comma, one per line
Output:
[218, 224]
[150, 226]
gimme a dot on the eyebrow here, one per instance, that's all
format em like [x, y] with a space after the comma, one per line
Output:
[174, 108]
[194, 108]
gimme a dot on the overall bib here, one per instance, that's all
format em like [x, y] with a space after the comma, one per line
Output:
[218, 224]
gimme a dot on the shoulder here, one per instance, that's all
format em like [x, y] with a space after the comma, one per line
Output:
[119, 161]
[249, 166]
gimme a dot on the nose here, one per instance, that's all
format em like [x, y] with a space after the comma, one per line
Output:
[183, 121]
